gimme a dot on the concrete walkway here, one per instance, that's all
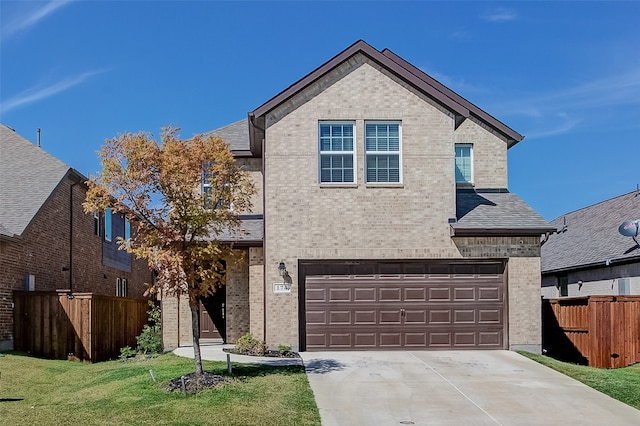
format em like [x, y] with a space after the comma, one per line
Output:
[442, 388]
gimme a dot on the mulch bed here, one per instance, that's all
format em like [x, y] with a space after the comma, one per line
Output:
[268, 354]
[194, 383]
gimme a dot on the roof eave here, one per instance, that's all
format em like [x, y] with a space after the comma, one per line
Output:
[506, 232]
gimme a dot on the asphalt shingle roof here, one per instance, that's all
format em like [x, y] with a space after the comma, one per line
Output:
[496, 211]
[235, 134]
[28, 176]
[591, 235]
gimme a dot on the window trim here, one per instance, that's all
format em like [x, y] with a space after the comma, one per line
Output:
[353, 151]
[472, 169]
[399, 153]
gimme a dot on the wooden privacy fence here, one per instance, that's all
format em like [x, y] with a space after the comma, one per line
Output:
[601, 331]
[87, 327]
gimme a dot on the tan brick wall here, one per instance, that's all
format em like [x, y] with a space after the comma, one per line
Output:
[254, 167]
[256, 292]
[43, 251]
[489, 154]
[498, 247]
[176, 322]
[305, 220]
[525, 324]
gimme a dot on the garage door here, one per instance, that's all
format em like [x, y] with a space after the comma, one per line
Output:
[457, 306]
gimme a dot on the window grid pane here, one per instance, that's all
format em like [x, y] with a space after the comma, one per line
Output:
[384, 140]
[336, 153]
[463, 163]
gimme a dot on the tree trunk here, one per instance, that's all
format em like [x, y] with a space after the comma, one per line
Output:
[195, 325]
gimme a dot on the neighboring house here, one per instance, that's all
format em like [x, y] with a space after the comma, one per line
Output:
[589, 256]
[47, 242]
[384, 219]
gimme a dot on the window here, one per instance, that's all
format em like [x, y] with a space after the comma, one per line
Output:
[127, 230]
[121, 287]
[337, 159]
[382, 146]
[563, 286]
[464, 163]
[96, 223]
[107, 224]
[623, 286]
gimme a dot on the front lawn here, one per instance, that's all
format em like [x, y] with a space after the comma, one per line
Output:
[622, 384]
[50, 392]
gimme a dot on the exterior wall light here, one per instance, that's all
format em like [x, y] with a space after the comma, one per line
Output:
[282, 269]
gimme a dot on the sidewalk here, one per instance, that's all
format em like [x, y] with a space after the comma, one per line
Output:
[214, 352]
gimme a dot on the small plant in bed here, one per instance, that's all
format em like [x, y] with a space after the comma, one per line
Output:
[249, 345]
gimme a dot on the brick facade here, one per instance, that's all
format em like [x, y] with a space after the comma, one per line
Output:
[307, 220]
[44, 251]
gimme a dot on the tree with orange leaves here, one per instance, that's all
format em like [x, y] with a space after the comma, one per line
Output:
[180, 194]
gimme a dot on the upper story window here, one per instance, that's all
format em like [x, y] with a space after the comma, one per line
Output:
[108, 224]
[122, 287]
[337, 155]
[96, 223]
[382, 146]
[464, 163]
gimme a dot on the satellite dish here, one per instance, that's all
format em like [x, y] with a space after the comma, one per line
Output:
[630, 228]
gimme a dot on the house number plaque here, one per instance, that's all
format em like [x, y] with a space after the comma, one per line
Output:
[281, 288]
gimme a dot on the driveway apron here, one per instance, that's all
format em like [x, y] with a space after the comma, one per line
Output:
[453, 388]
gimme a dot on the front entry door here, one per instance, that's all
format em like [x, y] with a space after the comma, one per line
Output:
[213, 316]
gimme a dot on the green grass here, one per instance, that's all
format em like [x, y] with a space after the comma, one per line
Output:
[51, 392]
[622, 384]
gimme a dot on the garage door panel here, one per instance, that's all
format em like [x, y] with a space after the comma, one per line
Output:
[390, 317]
[489, 316]
[364, 317]
[439, 294]
[316, 317]
[464, 294]
[367, 294]
[340, 295]
[415, 317]
[393, 294]
[339, 317]
[440, 316]
[441, 306]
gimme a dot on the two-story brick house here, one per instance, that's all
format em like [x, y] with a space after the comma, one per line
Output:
[47, 242]
[384, 221]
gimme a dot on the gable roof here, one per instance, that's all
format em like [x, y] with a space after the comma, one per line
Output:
[28, 176]
[591, 237]
[496, 212]
[460, 107]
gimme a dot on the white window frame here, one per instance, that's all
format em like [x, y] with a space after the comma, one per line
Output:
[351, 152]
[471, 168]
[376, 152]
[122, 287]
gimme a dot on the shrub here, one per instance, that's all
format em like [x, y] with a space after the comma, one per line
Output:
[126, 353]
[284, 350]
[150, 340]
[249, 345]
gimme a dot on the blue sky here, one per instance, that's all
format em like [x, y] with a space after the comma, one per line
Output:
[564, 74]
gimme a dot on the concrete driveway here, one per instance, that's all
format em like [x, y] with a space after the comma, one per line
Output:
[453, 388]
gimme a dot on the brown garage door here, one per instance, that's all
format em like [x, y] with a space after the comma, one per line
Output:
[457, 306]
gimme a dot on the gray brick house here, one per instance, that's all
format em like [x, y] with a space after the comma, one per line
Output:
[589, 256]
[47, 242]
[383, 219]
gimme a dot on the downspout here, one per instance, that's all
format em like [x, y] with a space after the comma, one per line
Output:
[70, 296]
[264, 226]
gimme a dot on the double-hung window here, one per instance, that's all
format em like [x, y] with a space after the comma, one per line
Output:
[337, 155]
[464, 163]
[382, 146]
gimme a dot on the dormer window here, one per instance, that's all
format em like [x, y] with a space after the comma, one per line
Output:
[464, 163]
